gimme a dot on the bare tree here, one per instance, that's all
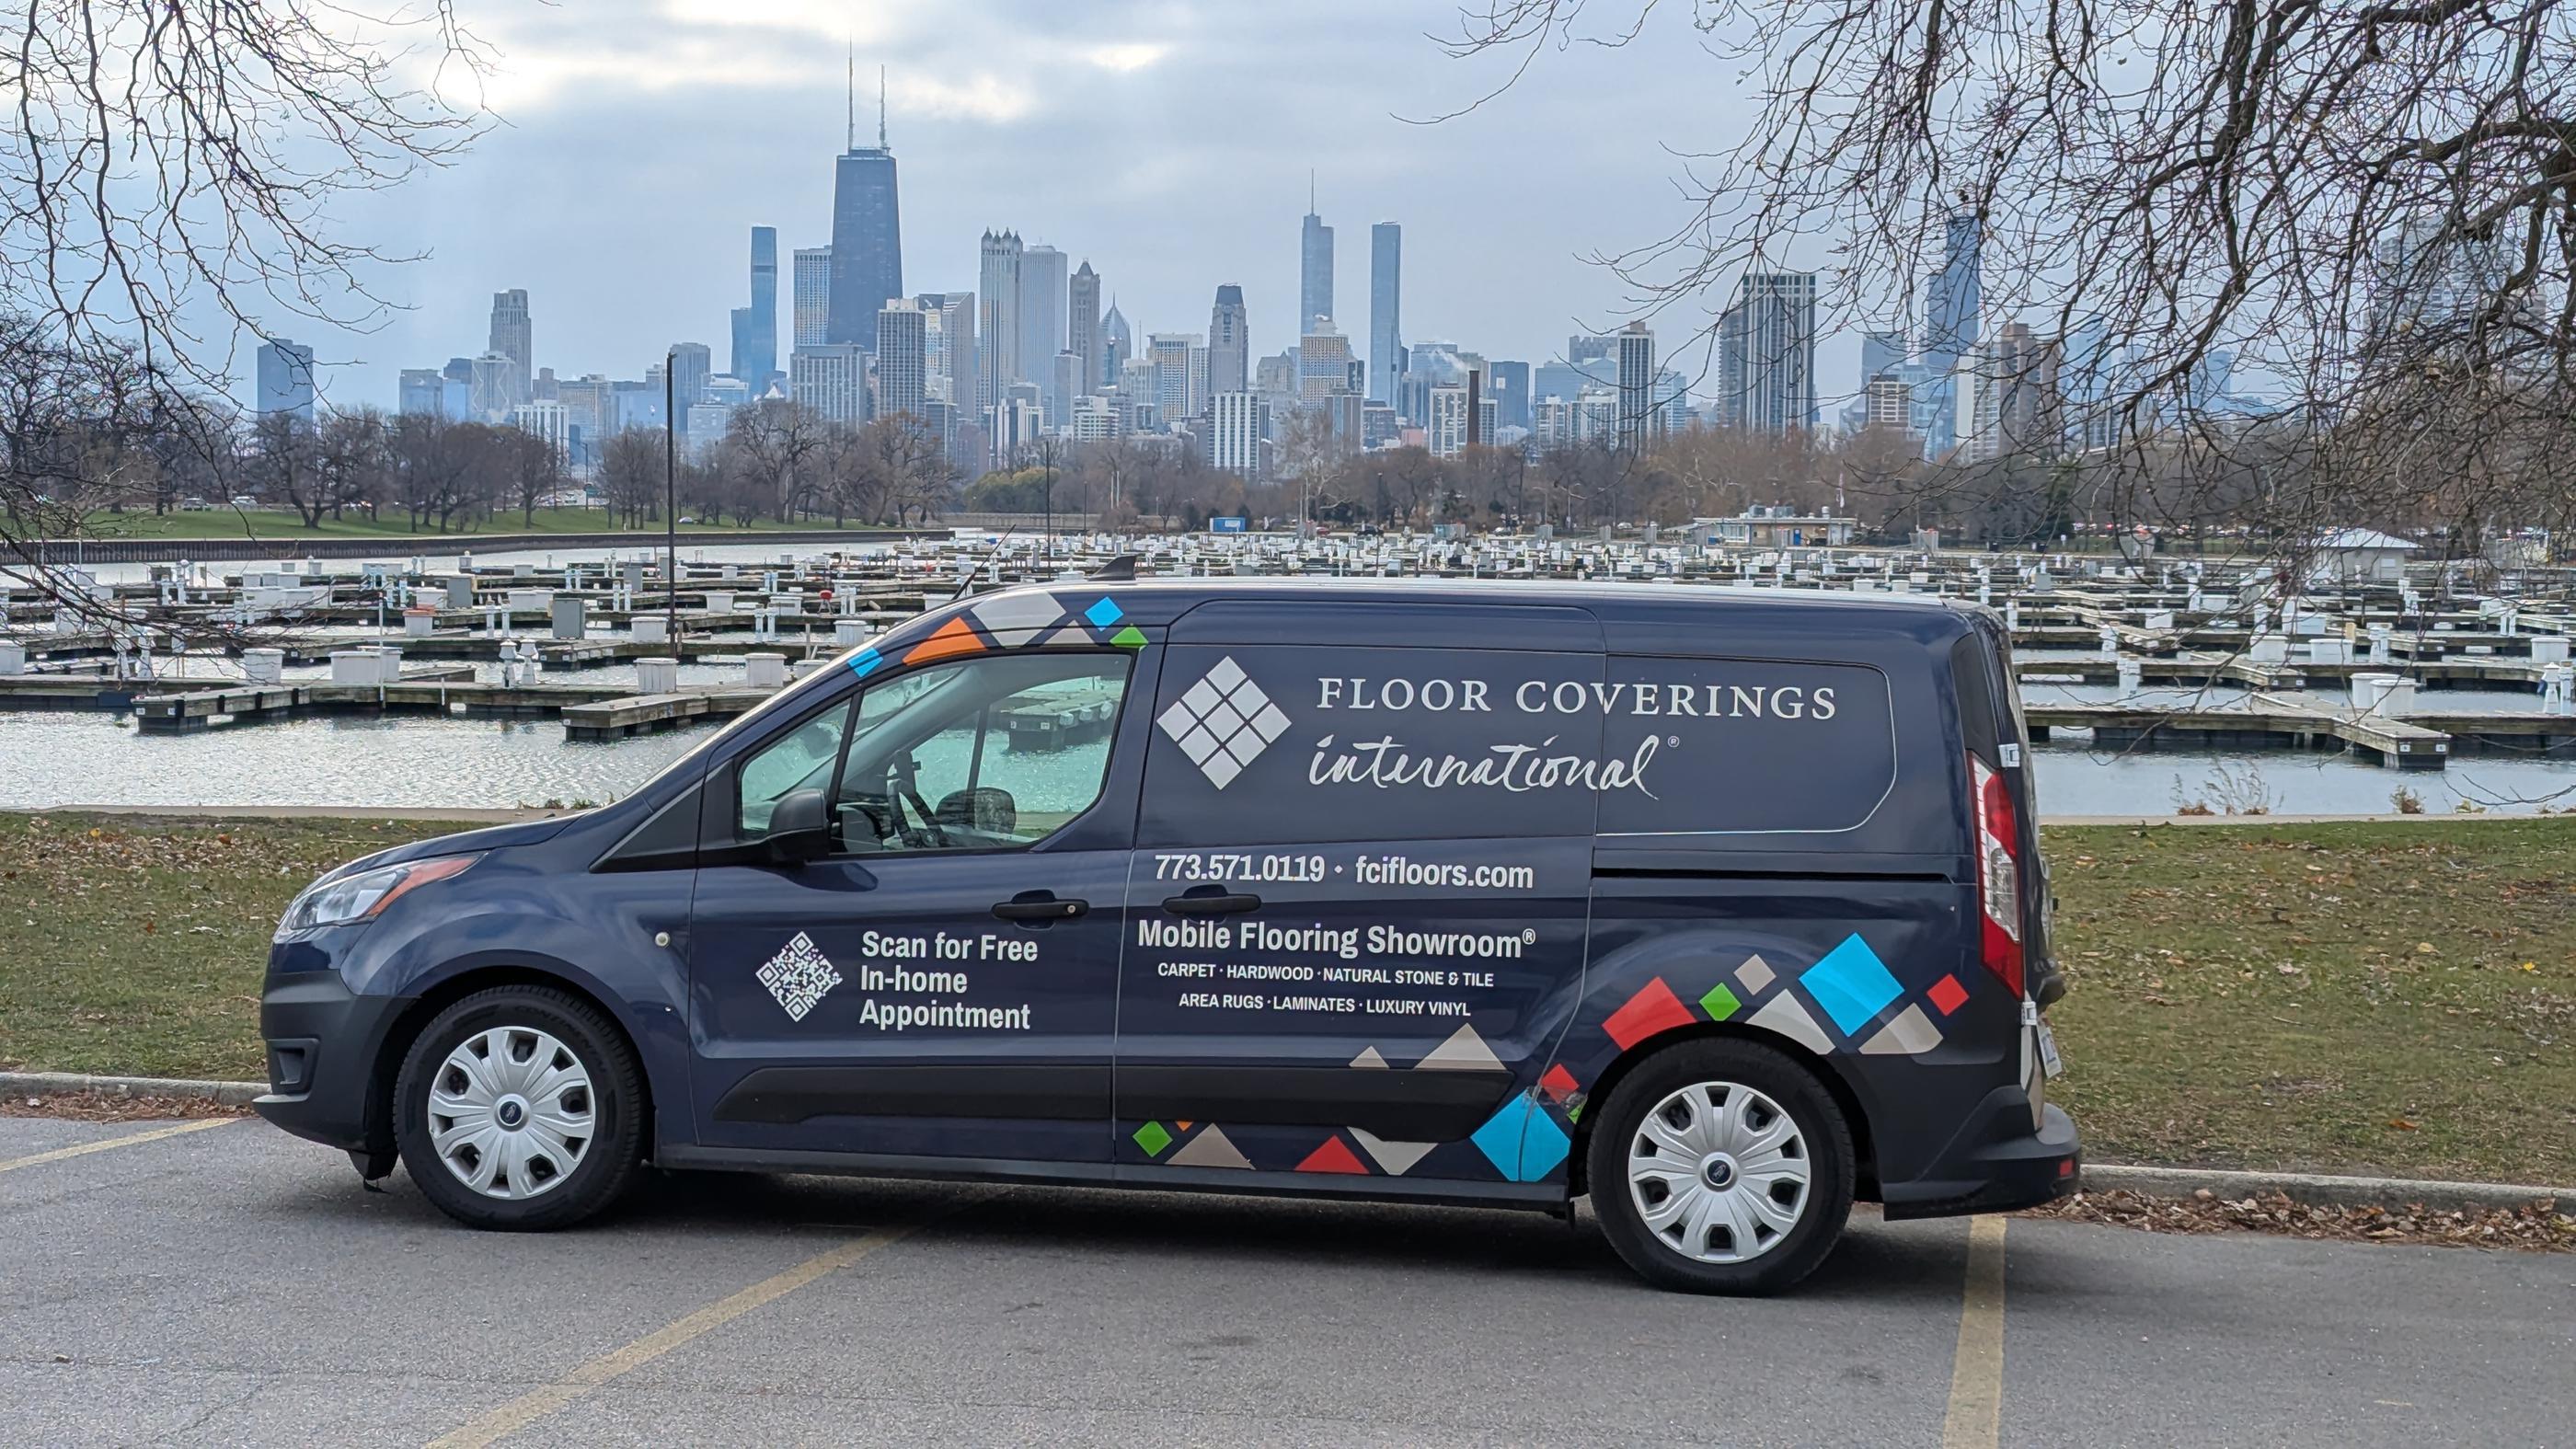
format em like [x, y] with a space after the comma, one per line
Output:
[2369, 207]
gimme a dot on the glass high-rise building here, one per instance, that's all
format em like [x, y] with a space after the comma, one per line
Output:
[285, 378]
[755, 328]
[1314, 270]
[692, 363]
[1042, 311]
[1636, 386]
[867, 238]
[1950, 319]
[1117, 345]
[1386, 327]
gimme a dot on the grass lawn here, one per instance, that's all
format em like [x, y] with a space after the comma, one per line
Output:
[2392, 998]
[261, 523]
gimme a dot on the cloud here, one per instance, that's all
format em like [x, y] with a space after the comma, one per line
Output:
[1131, 56]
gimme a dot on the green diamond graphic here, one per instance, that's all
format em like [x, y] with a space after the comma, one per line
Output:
[1574, 1112]
[1720, 1003]
[1130, 637]
[1153, 1139]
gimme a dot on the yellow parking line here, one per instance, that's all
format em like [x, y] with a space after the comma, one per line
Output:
[133, 1140]
[1977, 1374]
[528, 1408]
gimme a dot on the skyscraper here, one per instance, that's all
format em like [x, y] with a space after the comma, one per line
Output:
[1117, 345]
[997, 289]
[903, 358]
[810, 296]
[1315, 267]
[1170, 353]
[488, 395]
[512, 337]
[1238, 424]
[424, 392]
[1766, 372]
[286, 378]
[755, 328]
[950, 317]
[1323, 363]
[832, 379]
[1950, 319]
[692, 363]
[2010, 404]
[867, 234]
[1386, 329]
[1880, 351]
[1082, 329]
[1636, 386]
[1229, 345]
[1042, 312]
[1508, 384]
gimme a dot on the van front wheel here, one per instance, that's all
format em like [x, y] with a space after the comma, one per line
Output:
[520, 1108]
[1721, 1167]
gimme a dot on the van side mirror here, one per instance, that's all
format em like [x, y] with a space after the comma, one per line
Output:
[800, 828]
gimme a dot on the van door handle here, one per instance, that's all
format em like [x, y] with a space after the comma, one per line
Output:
[1040, 906]
[1211, 905]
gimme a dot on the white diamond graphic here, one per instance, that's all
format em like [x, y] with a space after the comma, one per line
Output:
[1223, 722]
[799, 976]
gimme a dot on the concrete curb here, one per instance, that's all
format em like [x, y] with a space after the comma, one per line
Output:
[2319, 1190]
[73, 1084]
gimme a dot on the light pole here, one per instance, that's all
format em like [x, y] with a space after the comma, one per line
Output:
[670, 504]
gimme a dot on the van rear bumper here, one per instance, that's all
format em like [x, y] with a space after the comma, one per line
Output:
[1998, 1163]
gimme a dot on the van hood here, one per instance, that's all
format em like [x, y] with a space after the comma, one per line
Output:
[495, 837]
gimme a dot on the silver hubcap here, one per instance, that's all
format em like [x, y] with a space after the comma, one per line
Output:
[1719, 1172]
[511, 1112]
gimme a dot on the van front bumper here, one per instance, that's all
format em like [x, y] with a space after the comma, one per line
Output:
[323, 1041]
[1997, 1163]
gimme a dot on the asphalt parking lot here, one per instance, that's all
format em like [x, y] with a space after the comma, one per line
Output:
[226, 1284]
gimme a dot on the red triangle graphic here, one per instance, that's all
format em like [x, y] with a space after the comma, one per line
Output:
[1332, 1157]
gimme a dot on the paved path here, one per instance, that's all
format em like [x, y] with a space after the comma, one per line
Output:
[230, 1285]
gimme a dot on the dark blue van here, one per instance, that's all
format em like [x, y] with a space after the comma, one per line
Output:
[1722, 907]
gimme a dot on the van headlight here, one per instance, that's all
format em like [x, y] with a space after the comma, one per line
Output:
[362, 896]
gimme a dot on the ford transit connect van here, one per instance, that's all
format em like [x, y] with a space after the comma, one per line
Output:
[1721, 907]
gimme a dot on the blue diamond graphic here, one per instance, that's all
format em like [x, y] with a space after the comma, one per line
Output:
[1851, 984]
[1522, 1141]
[1104, 613]
[865, 662]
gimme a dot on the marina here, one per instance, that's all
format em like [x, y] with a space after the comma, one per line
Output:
[2118, 657]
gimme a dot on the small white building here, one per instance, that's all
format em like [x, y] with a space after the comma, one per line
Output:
[2361, 556]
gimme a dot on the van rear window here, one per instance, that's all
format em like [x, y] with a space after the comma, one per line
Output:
[1747, 745]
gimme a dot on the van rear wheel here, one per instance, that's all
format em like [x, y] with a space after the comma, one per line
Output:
[520, 1108]
[1721, 1167]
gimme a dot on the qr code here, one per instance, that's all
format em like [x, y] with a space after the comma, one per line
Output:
[798, 976]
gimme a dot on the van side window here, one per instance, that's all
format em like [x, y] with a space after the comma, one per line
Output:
[979, 754]
[801, 760]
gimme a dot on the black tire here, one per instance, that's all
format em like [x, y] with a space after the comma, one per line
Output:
[607, 1164]
[1827, 1145]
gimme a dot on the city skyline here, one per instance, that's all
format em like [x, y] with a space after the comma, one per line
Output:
[1051, 153]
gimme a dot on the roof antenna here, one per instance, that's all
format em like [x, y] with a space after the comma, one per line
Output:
[850, 69]
[1310, 191]
[881, 136]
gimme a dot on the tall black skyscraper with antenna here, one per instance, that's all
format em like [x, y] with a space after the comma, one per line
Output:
[867, 231]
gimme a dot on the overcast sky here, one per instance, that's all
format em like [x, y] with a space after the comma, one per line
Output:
[1168, 143]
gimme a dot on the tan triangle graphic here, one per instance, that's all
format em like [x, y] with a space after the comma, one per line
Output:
[1396, 1157]
[1211, 1148]
[1368, 1058]
[1910, 1034]
[1464, 1051]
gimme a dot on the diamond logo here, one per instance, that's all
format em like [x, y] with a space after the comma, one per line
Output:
[1223, 722]
[798, 976]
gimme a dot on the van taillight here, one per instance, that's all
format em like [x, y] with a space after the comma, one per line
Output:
[1998, 875]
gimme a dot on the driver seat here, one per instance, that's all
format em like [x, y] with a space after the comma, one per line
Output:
[986, 810]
